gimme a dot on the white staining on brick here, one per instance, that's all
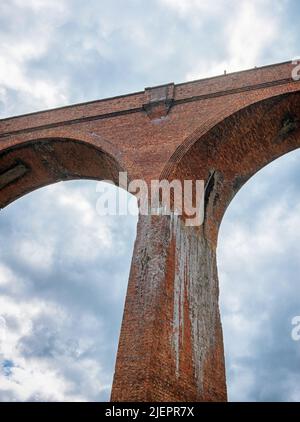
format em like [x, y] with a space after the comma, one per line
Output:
[178, 309]
[196, 279]
[195, 288]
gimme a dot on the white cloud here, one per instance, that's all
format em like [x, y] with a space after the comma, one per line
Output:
[190, 8]
[27, 39]
[252, 27]
[32, 374]
[35, 254]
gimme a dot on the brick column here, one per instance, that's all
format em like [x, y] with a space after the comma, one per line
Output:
[171, 346]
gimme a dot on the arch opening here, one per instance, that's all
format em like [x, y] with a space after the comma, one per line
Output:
[61, 292]
[258, 263]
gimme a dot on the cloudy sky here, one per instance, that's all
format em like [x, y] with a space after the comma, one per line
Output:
[64, 269]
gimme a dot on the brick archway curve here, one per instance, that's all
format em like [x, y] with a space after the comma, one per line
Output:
[234, 149]
[220, 117]
[41, 159]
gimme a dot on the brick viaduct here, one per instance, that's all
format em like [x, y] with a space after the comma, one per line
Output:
[222, 129]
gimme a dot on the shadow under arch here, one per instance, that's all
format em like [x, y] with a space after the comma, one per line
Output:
[36, 163]
[258, 261]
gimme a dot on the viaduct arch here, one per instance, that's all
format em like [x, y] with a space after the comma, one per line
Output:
[221, 130]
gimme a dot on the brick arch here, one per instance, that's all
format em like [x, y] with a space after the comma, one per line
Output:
[220, 116]
[36, 162]
[233, 150]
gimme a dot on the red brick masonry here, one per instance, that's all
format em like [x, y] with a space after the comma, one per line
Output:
[224, 129]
